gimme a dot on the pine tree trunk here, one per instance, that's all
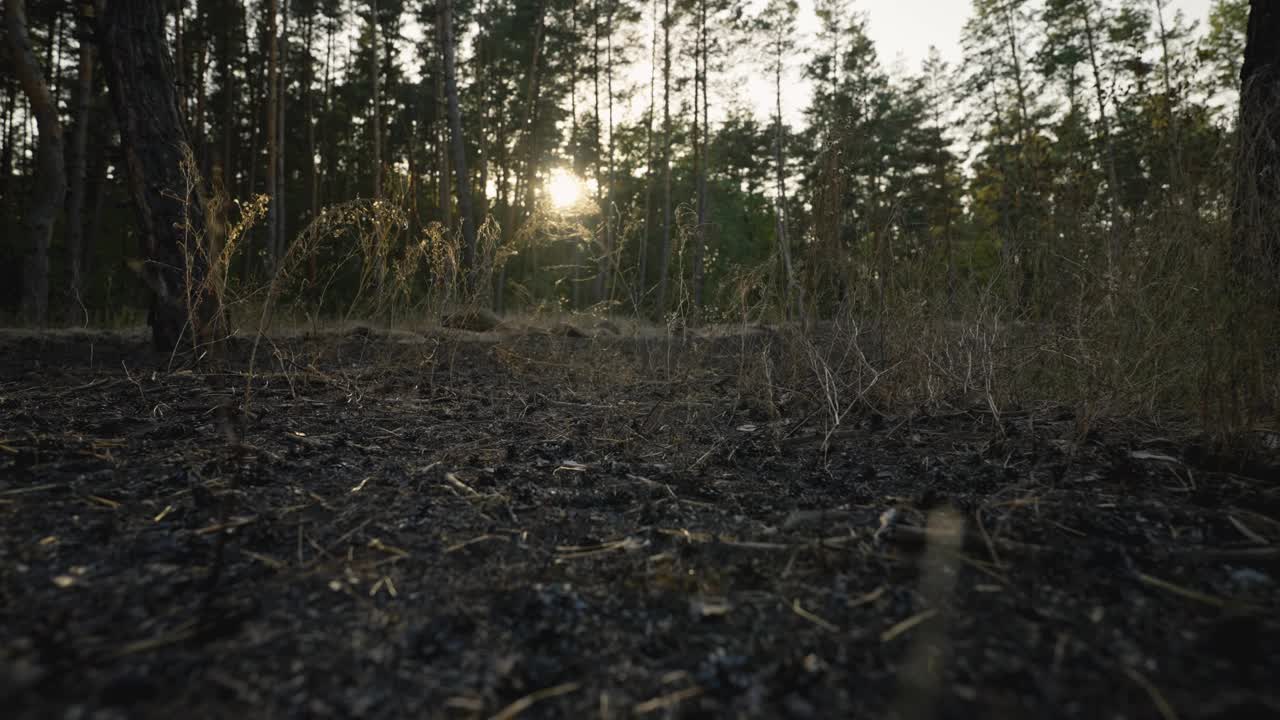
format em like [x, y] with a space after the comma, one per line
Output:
[282, 103]
[610, 238]
[156, 149]
[308, 82]
[76, 169]
[458, 142]
[50, 183]
[441, 127]
[229, 129]
[198, 126]
[642, 274]
[528, 138]
[1108, 144]
[273, 132]
[664, 265]
[602, 252]
[1256, 237]
[696, 259]
[792, 301]
[10, 136]
[375, 81]
[103, 127]
[700, 246]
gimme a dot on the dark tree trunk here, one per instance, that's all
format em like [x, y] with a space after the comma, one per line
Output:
[1257, 207]
[440, 122]
[273, 134]
[664, 260]
[703, 191]
[96, 186]
[282, 104]
[49, 188]
[376, 81]
[10, 131]
[309, 103]
[77, 162]
[642, 274]
[597, 150]
[458, 143]
[526, 140]
[229, 129]
[154, 142]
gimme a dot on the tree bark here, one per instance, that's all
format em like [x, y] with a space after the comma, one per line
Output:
[664, 264]
[602, 253]
[1257, 204]
[700, 247]
[458, 143]
[96, 185]
[375, 80]
[50, 175]
[1108, 144]
[156, 150]
[642, 272]
[273, 131]
[282, 102]
[77, 166]
[610, 236]
[441, 126]
[229, 129]
[10, 132]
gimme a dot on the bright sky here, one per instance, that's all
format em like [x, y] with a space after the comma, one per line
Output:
[903, 31]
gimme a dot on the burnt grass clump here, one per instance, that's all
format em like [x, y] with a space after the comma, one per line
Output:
[393, 524]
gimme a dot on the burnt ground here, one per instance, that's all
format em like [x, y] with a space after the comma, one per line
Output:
[402, 525]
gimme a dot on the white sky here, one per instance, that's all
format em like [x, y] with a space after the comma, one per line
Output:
[903, 31]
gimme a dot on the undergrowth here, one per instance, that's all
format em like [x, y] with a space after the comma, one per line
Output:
[1150, 328]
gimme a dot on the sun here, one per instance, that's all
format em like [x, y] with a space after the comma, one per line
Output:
[565, 189]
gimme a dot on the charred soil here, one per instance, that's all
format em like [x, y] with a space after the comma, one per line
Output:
[379, 524]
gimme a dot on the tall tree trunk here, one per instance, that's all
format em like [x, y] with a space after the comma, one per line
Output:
[526, 140]
[103, 128]
[700, 243]
[696, 139]
[664, 265]
[198, 126]
[256, 99]
[76, 166]
[441, 126]
[50, 183]
[1256, 238]
[375, 80]
[171, 218]
[226, 51]
[610, 237]
[308, 83]
[10, 134]
[642, 276]
[792, 301]
[316, 158]
[1172, 133]
[458, 141]
[597, 151]
[1108, 144]
[273, 132]
[281, 203]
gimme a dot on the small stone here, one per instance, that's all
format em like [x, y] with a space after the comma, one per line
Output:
[1250, 579]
